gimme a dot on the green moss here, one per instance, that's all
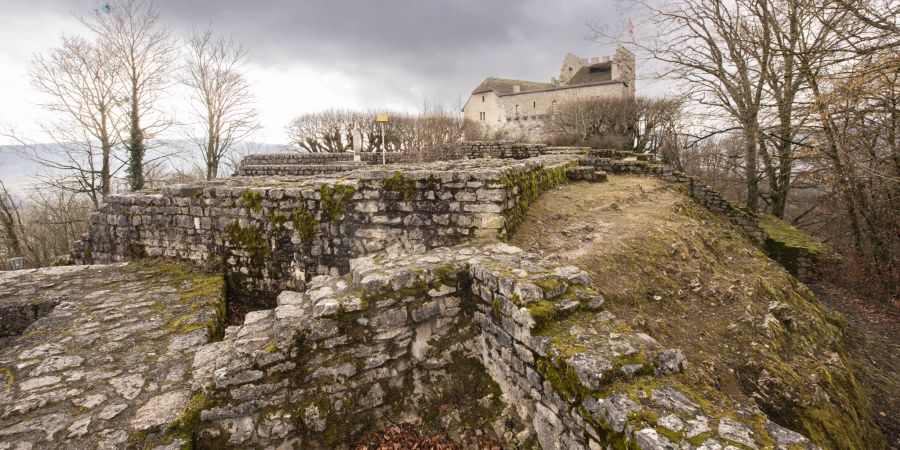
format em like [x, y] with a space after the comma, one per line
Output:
[250, 239]
[636, 358]
[137, 439]
[135, 251]
[398, 183]
[419, 290]
[526, 187]
[277, 221]
[543, 312]
[10, 378]
[546, 313]
[672, 435]
[497, 308]
[550, 285]
[818, 421]
[645, 415]
[271, 347]
[195, 289]
[785, 233]
[432, 182]
[563, 379]
[305, 224]
[447, 274]
[701, 438]
[787, 244]
[334, 200]
[187, 423]
[340, 427]
[466, 387]
[252, 200]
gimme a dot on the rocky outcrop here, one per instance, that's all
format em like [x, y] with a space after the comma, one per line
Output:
[110, 365]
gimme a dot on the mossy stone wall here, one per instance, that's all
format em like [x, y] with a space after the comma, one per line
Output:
[441, 335]
[277, 234]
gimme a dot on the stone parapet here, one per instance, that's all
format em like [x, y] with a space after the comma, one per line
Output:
[298, 164]
[497, 149]
[273, 234]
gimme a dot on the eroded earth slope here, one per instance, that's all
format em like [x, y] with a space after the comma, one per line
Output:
[669, 267]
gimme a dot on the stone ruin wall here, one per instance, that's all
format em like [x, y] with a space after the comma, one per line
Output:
[363, 341]
[277, 235]
[396, 337]
[300, 164]
[496, 149]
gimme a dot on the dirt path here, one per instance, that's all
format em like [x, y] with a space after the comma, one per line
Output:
[873, 346]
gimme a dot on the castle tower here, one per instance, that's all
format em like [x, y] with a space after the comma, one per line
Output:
[623, 67]
[570, 66]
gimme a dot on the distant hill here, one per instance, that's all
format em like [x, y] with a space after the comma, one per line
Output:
[19, 172]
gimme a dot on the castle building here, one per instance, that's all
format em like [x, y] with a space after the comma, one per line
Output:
[521, 107]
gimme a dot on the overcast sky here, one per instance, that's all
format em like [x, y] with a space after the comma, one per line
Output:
[314, 55]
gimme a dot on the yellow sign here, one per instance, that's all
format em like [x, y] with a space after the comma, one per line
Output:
[381, 118]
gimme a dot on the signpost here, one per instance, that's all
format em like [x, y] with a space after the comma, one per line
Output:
[382, 119]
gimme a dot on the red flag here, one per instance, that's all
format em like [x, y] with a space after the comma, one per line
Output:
[630, 27]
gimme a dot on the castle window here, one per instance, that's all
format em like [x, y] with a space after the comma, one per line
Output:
[534, 104]
[482, 99]
[517, 109]
[481, 115]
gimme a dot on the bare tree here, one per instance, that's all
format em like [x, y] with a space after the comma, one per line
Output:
[42, 225]
[706, 46]
[812, 88]
[419, 136]
[10, 222]
[144, 51]
[633, 124]
[80, 80]
[221, 94]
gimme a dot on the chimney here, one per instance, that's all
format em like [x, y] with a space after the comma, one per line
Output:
[517, 88]
[595, 60]
[606, 59]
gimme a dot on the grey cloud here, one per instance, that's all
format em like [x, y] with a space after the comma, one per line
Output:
[402, 51]
[445, 45]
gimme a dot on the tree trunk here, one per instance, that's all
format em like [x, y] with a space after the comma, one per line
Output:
[750, 132]
[135, 145]
[105, 176]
